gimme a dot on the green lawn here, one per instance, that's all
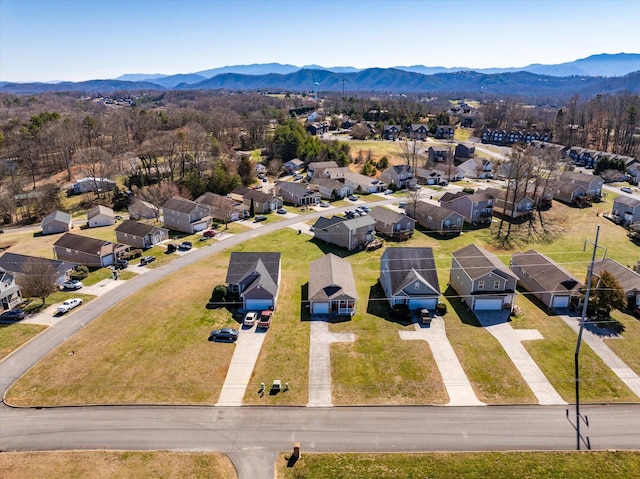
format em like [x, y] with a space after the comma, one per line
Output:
[14, 335]
[472, 465]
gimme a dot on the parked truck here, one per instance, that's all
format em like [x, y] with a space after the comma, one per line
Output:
[265, 319]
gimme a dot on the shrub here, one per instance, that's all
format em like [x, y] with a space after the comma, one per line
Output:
[219, 294]
[441, 309]
[468, 190]
[80, 272]
[134, 253]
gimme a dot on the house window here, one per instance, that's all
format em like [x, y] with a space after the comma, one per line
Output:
[480, 284]
[496, 285]
[417, 286]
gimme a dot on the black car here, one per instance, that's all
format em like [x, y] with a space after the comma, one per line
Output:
[121, 264]
[259, 218]
[145, 260]
[13, 315]
[185, 245]
[225, 334]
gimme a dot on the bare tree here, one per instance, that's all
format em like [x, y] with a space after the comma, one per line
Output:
[38, 279]
[158, 195]
[96, 164]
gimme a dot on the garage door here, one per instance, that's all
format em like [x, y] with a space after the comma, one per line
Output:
[320, 308]
[257, 304]
[560, 302]
[430, 304]
[487, 304]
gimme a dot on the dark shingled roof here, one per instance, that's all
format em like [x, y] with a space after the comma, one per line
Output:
[134, 228]
[182, 205]
[629, 280]
[331, 277]
[478, 262]
[549, 274]
[408, 264]
[15, 263]
[82, 243]
[254, 271]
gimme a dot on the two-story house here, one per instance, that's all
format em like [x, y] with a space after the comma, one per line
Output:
[626, 209]
[400, 176]
[140, 235]
[476, 208]
[181, 214]
[418, 131]
[10, 292]
[436, 218]
[352, 234]
[254, 279]
[393, 224]
[511, 203]
[331, 189]
[479, 168]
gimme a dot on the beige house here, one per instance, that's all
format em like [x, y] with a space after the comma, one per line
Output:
[56, 222]
[181, 214]
[100, 216]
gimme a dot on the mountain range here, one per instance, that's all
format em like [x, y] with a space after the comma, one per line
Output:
[603, 73]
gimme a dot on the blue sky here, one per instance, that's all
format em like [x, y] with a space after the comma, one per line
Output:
[47, 40]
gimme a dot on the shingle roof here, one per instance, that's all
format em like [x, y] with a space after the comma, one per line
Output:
[60, 216]
[478, 262]
[134, 228]
[331, 277]
[629, 201]
[180, 204]
[254, 270]
[15, 263]
[629, 280]
[437, 212]
[386, 215]
[407, 264]
[81, 243]
[550, 275]
[296, 189]
[99, 210]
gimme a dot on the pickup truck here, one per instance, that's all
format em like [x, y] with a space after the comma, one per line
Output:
[265, 319]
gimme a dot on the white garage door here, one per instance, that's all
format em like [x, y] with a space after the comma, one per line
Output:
[560, 302]
[257, 304]
[320, 308]
[430, 304]
[487, 304]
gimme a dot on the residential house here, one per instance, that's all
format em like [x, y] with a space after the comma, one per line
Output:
[332, 288]
[363, 184]
[418, 131]
[262, 202]
[351, 234]
[390, 132]
[92, 252]
[476, 208]
[254, 279]
[140, 209]
[482, 280]
[100, 216]
[95, 184]
[428, 176]
[572, 186]
[479, 168]
[297, 194]
[336, 173]
[19, 264]
[400, 176]
[510, 203]
[222, 208]
[315, 168]
[56, 222]
[626, 209]
[10, 292]
[409, 276]
[436, 218]
[317, 127]
[438, 154]
[331, 189]
[449, 172]
[181, 214]
[444, 131]
[140, 235]
[464, 151]
[392, 223]
[545, 279]
[628, 279]
[293, 166]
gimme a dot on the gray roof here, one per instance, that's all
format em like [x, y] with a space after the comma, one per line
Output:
[314, 165]
[99, 210]
[328, 183]
[477, 197]
[440, 213]
[549, 274]
[213, 199]
[60, 216]
[256, 271]
[15, 263]
[331, 277]
[629, 280]
[296, 189]
[180, 204]
[81, 243]
[258, 196]
[410, 263]
[478, 262]
[579, 178]
[324, 222]
[135, 228]
[386, 215]
[629, 201]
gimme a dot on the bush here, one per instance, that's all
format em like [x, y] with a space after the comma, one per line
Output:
[80, 272]
[441, 309]
[219, 294]
[468, 190]
[134, 253]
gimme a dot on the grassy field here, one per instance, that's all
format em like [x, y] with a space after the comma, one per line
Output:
[14, 335]
[477, 465]
[168, 348]
[116, 464]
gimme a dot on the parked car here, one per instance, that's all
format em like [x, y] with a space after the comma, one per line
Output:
[121, 264]
[281, 211]
[72, 284]
[250, 318]
[424, 316]
[259, 218]
[297, 177]
[171, 248]
[265, 319]
[117, 217]
[402, 204]
[185, 246]
[353, 198]
[626, 189]
[13, 315]
[210, 233]
[224, 334]
[324, 204]
[388, 192]
[69, 304]
[145, 260]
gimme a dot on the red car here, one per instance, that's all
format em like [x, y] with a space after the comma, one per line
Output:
[210, 233]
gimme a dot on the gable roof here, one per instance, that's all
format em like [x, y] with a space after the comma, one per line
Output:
[99, 210]
[477, 197]
[213, 199]
[386, 215]
[182, 205]
[352, 224]
[629, 201]
[440, 213]
[258, 196]
[315, 165]
[60, 216]
[82, 243]
[579, 178]
[16, 263]
[295, 189]
[134, 228]
[331, 277]
[549, 274]
[254, 271]
[328, 183]
[629, 280]
[406, 264]
[478, 262]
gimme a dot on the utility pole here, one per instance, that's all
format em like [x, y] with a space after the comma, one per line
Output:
[579, 417]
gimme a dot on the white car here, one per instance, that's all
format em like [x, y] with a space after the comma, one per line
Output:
[72, 284]
[69, 304]
[250, 318]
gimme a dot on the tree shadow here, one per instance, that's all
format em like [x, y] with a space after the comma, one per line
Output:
[461, 309]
